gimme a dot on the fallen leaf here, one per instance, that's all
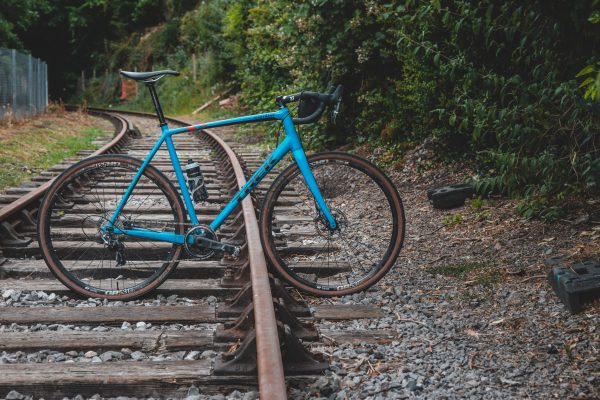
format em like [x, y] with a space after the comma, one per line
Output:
[472, 332]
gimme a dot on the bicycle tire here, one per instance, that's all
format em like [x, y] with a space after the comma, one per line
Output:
[339, 177]
[81, 198]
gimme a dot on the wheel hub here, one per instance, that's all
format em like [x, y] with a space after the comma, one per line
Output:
[322, 226]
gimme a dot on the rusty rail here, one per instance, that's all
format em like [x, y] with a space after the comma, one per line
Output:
[271, 380]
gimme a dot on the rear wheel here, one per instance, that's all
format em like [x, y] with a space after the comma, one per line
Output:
[93, 262]
[370, 218]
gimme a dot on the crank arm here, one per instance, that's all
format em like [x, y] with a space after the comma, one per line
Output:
[216, 245]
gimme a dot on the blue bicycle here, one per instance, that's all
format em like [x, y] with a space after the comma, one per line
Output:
[115, 227]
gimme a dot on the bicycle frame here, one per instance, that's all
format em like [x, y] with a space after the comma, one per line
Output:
[291, 143]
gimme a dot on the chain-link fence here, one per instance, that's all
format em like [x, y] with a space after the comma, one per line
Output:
[23, 84]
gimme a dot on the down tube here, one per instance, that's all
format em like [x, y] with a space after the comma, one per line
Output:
[254, 180]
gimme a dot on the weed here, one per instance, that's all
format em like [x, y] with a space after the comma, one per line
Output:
[452, 220]
[458, 270]
[489, 278]
[478, 203]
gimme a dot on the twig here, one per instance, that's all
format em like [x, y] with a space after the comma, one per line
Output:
[208, 103]
[385, 389]
[332, 340]
[533, 277]
[438, 259]
[411, 320]
[372, 367]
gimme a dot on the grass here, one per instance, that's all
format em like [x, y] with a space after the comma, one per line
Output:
[41, 143]
[452, 220]
[458, 270]
[474, 272]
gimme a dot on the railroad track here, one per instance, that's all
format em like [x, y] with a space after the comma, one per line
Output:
[217, 325]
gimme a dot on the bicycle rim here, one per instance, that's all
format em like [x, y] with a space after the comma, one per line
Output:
[81, 201]
[321, 261]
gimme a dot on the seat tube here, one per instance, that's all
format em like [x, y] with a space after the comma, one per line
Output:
[302, 162]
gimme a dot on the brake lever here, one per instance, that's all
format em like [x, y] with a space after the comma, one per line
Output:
[336, 110]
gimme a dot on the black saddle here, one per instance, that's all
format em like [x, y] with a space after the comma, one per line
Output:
[147, 76]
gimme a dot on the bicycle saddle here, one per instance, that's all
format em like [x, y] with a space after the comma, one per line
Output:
[144, 76]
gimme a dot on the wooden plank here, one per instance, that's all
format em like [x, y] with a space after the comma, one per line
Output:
[187, 269]
[208, 103]
[347, 311]
[139, 379]
[107, 315]
[84, 340]
[183, 288]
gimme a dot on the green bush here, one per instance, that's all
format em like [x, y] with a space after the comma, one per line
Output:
[493, 80]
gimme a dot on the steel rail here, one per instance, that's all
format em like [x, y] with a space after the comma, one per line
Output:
[17, 205]
[271, 378]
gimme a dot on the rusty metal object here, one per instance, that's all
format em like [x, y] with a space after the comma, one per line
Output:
[271, 380]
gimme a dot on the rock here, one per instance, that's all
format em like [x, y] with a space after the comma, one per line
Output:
[193, 391]
[140, 325]
[7, 294]
[14, 395]
[515, 298]
[582, 219]
[107, 356]
[57, 357]
[96, 360]
[508, 381]
[90, 354]
[208, 354]
[138, 355]
[412, 385]
[252, 395]
[126, 325]
[192, 355]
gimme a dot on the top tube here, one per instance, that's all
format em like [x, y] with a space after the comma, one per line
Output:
[280, 115]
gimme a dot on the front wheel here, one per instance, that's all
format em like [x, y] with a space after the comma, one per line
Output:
[90, 259]
[314, 258]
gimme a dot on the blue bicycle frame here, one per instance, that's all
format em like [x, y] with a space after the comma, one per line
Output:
[291, 143]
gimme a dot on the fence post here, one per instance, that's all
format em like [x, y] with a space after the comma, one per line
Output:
[46, 84]
[82, 81]
[14, 81]
[37, 81]
[29, 83]
[194, 66]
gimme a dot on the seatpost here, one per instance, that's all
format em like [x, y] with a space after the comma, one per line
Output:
[159, 111]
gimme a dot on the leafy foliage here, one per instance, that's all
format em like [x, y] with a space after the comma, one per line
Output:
[494, 80]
